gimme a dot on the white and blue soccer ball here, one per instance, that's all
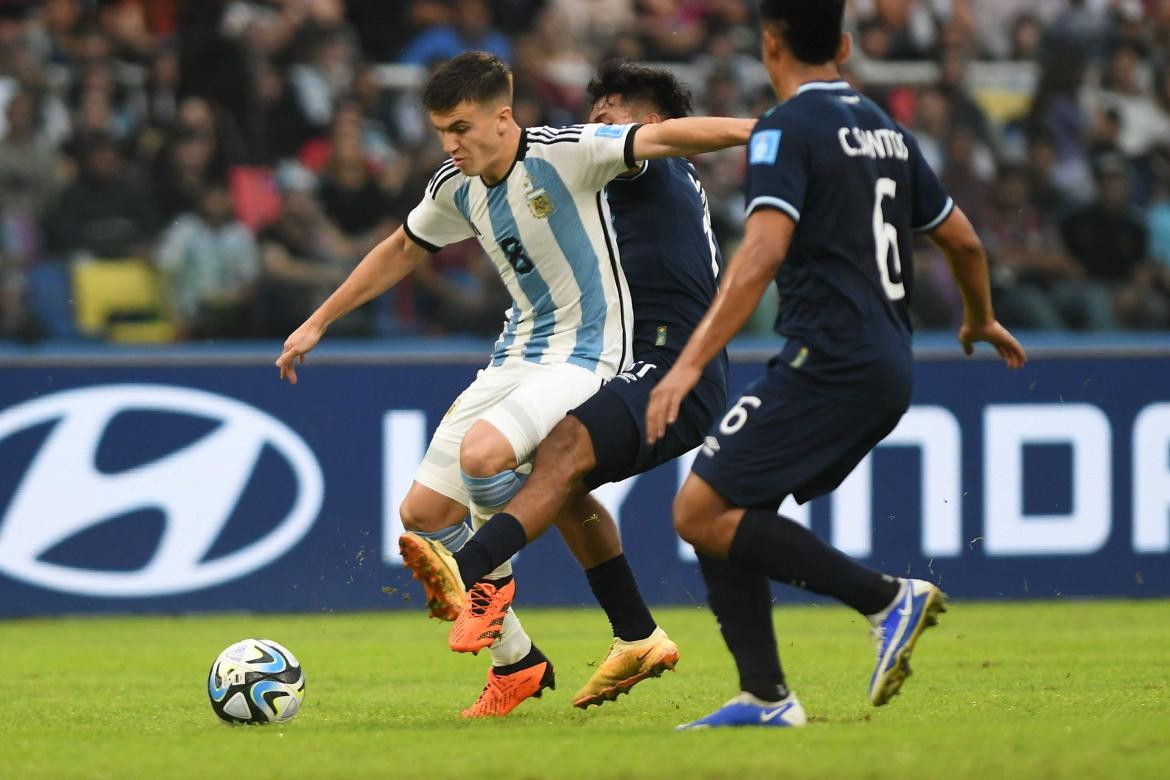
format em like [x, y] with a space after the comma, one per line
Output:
[256, 681]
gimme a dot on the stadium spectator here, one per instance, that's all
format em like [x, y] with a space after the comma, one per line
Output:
[161, 93]
[350, 192]
[303, 256]
[469, 26]
[325, 78]
[278, 126]
[967, 173]
[1110, 241]
[1141, 122]
[105, 212]
[124, 24]
[62, 20]
[28, 175]
[997, 25]
[211, 264]
[594, 22]
[1057, 114]
[932, 125]
[964, 109]
[1048, 198]
[670, 29]
[1026, 36]
[1035, 283]
[911, 28]
[1083, 26]
[182, 172]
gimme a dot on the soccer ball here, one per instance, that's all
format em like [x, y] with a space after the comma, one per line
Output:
[256, 681]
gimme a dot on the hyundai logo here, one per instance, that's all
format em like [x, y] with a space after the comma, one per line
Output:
[196, 487]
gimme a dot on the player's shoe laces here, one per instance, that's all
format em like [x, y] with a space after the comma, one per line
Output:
[508, 686]
[895, 633]
[436, 569]
[628, 664]
[747, 710]
[482, 618]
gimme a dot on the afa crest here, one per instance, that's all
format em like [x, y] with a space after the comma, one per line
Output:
[540, 204]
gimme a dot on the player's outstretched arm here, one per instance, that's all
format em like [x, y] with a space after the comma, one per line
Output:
[689, 135]
[755, 264]
[968, 262]
[384, 266]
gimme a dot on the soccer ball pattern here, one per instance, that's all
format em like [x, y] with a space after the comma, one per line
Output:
[256, 681]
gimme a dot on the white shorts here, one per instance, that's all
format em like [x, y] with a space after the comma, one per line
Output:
[520, 399]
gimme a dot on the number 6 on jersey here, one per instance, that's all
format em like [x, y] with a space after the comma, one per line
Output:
[885, 241]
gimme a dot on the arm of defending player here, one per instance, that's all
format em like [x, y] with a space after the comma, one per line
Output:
[689, 135]
[603, 152]
[384, 266]
[751, 270]
[968, 263]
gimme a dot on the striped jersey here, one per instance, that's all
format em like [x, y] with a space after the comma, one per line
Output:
[547, 227]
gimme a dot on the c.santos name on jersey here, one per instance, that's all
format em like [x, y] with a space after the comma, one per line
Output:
[874, 144]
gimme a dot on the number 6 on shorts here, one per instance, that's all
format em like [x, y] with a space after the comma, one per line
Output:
[737, 415]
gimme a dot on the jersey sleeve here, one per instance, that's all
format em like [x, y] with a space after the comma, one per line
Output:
[930, 203]
[600, 153]
[777, 175]
[436, 221]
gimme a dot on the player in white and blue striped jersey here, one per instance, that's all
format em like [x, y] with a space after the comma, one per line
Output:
[547, 228]
[535, 201]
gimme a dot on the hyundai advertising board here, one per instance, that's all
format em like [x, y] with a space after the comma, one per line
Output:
[206, 484]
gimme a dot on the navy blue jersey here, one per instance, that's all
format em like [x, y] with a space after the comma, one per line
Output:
[858, 187]
[668, 252]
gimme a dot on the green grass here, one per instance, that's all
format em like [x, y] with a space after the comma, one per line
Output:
[1040, 690]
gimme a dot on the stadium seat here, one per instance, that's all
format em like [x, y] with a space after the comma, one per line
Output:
[50, 296]
[121, 300]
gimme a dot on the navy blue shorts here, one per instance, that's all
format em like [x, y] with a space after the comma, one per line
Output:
[781, 438]
[615, 418]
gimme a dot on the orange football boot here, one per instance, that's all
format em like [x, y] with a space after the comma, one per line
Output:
[482, 618]
[504, 692]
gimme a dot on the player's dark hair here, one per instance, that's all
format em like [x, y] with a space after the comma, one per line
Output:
[474, 76]
[810, 28]
[656, 86]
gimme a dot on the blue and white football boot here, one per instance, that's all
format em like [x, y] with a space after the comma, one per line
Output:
[896, 629]
[747, 710]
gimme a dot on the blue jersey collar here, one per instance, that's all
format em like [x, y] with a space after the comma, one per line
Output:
[808, 86]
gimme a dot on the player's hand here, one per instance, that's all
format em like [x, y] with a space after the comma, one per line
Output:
[666, 399]
[997, 336]
[296, 346]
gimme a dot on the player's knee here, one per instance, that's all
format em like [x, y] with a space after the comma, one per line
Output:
[485, 452]
[413, 518]
[428, 512]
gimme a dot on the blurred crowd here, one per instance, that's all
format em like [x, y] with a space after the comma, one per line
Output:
[247, 153]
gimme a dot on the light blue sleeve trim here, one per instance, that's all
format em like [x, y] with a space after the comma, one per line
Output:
[946, 212]
[779, 203]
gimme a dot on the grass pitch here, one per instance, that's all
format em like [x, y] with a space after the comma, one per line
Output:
[1019, 690]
